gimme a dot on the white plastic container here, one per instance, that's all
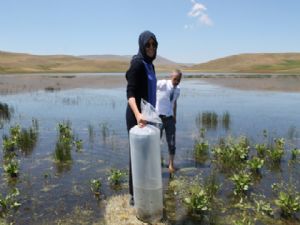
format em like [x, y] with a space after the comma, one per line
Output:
[146, 173]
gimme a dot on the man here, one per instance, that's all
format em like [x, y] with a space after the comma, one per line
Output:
[167, 94]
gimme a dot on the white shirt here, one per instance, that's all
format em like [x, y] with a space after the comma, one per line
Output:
[164, 105]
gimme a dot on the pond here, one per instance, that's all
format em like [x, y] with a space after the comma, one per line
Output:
[50, 191]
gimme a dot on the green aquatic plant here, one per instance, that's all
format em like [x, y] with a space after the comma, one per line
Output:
[21, 138]
[197, 202]
[10, 143]
[294, 153]
[198, 195]
[12, 167]
[288, 202]
[95, 185]
[15, 131]
[201, 150]
[65, 143]
[62, 151]
[27, 140]
[231, 153]
[262, 206]
[277, 151]
[243, 221]
[47, 175]
[211, 186]
[115, 177]
[202, 133]
[9, 201]
[255, 163]
[244, 215]
[288, 198]
[78, 145]
[65, 131]
[242, 182]
[261, 150]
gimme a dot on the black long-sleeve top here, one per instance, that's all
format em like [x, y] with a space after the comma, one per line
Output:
[137, 81]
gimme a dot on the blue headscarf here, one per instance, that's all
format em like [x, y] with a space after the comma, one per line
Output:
[143, 39]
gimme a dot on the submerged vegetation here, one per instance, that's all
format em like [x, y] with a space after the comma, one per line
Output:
[228, 194]
[18, 141]
[243, 166]
[66, 142]
[9, 202]
[116, 176]
[96, 186]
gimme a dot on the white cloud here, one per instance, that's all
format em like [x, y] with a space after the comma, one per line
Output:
[198, 12]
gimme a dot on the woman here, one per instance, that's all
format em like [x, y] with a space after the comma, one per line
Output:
[141, 83]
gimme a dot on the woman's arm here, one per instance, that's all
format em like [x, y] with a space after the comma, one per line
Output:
[138, 116]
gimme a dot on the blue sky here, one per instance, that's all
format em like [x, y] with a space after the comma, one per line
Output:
[188, 31]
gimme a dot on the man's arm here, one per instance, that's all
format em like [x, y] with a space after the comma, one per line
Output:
[174, 110]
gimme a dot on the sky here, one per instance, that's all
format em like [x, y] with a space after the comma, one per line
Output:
[188, 31]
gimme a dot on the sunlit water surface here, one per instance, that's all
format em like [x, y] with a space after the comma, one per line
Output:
[97, 116]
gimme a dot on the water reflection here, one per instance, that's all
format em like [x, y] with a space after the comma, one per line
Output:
[211, 120]
[5, 113]
[63, 167]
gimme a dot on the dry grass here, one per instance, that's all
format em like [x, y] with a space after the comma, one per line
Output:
[118, 212]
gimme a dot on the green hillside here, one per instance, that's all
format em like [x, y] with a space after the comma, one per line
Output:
[253, 63]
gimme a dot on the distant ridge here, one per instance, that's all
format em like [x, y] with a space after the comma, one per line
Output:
[158, 61]
[253, 63]
[28, 63]
[288, 63]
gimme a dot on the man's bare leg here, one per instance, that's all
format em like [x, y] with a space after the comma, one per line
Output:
[171, 164]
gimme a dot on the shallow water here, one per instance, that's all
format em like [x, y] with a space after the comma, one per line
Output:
[97, 116]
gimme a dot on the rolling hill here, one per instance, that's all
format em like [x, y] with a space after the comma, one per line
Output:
[27, 63]
[253, 63]
[244, 63]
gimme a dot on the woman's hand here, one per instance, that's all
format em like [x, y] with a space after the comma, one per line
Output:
[138, 116]
[140, 120]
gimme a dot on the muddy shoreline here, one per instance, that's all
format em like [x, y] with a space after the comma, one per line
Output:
[18, 83]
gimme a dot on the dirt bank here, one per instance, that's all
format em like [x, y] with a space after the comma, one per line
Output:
[276, 83]
[32, 82]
